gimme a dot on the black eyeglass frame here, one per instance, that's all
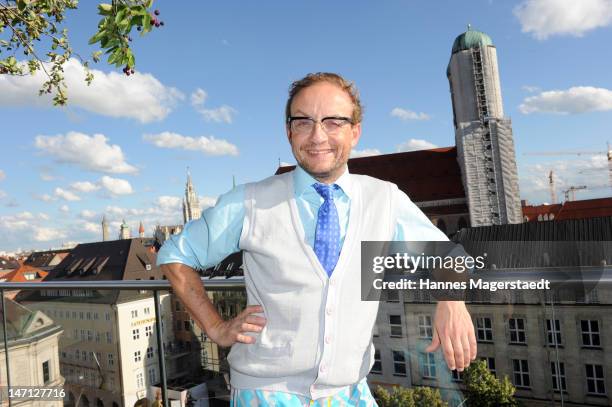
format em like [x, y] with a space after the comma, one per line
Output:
[290, 119]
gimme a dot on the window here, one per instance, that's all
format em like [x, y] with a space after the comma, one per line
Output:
[97, 337]
[109, 337]
[149, 352]
[74, 315]
[187, 325]
[89, 315]
[425, 330]
[137, 357]
[395, 322]
[76, 334]
[147, 311]
[81, 315]
[83, 335]
[590, 332]
[148, 331]
[178, 306]
[428, 365]
[89, 335]
[456, 375]
[595, 379]
[484, 329]
[558, 376]
[152, 376]
[553, 332]
[95, 316]
[517, 330]
[46, 372]
[139, 380]
[134, 313]
[84, 355]
[520, 371]
[77, 354]
[111, 360]
[135, 334]
[377, 367]
[179, 326]
[107, 316]
[399, 363]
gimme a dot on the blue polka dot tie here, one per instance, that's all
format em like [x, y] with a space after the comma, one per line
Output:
[327, 233]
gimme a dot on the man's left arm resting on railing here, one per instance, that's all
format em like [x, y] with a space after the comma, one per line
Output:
[452, 325]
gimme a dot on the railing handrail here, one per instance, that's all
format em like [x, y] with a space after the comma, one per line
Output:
[215, 283]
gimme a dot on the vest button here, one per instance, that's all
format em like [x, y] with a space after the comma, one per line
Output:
[328, 310]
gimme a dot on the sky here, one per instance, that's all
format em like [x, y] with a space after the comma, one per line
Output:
[210, 90]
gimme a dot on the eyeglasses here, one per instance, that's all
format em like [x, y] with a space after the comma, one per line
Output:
[305, 125]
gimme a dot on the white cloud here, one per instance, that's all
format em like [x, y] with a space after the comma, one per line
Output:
[366, 152]
[46, 176]
[84, 186]
[406, 114]
[91, 153]
[578, 99]
[2, 175]
[531, 89]
[46, 198]
[44, 234]
[207, 201]
[206, 145]
[66, 195]
[2, 194]
[220, 114]
[545, 18]
[116, 186]
[415, 144]
[92, 227]
[43, 216]
[64, 208]
[168, 203]
[140, 96]
[24, 216]
[87, 214]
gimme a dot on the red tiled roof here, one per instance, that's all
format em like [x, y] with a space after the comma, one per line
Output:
[18, 275]
[587, 208]
[424, 175]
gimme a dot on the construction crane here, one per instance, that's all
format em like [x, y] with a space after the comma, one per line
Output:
[607, 153]
[551, 185]
[572, 190]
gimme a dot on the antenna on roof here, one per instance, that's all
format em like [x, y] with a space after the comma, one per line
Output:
[469, 27]
[279, 162]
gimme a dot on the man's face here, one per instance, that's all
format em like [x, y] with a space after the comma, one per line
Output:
[323, 155]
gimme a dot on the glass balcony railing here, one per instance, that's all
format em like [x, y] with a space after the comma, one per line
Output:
[111, 344]
[132, 343]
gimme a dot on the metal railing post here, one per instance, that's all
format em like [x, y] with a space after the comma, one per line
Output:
[6, 350]
[160, 346]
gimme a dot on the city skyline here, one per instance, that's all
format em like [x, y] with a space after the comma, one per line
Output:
[210, 89]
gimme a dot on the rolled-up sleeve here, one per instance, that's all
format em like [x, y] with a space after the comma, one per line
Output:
[206, 241]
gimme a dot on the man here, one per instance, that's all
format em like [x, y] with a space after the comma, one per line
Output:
[300, 233]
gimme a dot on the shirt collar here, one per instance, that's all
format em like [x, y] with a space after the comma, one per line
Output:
[303, 180]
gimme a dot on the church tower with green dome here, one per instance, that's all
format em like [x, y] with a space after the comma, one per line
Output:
[485, 145]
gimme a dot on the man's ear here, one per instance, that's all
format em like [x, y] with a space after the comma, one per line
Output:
[356, 134]
[288, 130]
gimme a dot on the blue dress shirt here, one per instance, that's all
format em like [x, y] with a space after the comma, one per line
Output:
[206, 241]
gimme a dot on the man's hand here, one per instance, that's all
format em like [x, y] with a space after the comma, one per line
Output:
[226, 333]
[453, 329]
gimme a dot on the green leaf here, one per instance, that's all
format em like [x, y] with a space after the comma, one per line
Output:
[105, 9]
[97, 37]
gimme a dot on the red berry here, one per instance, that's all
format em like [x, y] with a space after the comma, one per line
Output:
[156, 24]
[153, 21]
[132, 71]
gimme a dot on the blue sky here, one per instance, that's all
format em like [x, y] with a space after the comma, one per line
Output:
[212, 83]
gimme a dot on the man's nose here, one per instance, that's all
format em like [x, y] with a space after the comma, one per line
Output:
[318, 135]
